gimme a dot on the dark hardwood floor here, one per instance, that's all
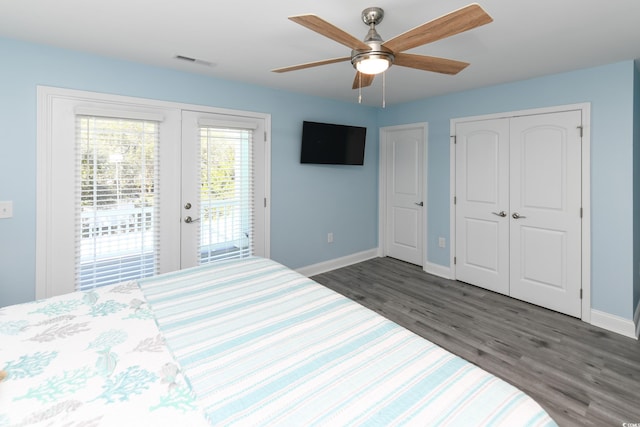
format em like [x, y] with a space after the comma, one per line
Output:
[582, 375]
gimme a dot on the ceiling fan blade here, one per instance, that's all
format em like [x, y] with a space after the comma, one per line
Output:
[430, 63]
[319, 25]
[456, 22]
[311, 64]
[362, 80]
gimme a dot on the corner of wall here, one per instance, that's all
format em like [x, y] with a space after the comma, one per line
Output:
[617, 324]
[438, 270]
[636, 320]
[636, 191]
[323, 267]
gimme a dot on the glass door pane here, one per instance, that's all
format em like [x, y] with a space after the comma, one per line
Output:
[225, 226]
[116, 215]
[218, 188]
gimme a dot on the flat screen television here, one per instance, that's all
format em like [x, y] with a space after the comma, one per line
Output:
[332, 144]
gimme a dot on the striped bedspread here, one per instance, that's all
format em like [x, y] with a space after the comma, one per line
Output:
[263, 345]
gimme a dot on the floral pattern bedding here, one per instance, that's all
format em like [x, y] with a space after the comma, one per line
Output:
[90, 358]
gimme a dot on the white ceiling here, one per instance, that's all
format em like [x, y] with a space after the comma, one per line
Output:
[244, 40]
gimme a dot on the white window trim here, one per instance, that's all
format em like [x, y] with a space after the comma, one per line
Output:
[46, 96]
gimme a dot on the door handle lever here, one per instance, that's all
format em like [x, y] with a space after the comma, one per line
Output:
[189, 220]
[418, 203]
[501, 213]
[516, 215]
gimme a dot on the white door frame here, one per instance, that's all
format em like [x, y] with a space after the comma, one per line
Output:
[46, 95]
[382, 179]
[585, 108]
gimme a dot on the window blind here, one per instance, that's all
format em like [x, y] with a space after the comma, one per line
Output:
[226, 193]
[116, 233]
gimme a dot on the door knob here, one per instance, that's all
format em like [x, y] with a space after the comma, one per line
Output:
[501, 213]
[516, 215]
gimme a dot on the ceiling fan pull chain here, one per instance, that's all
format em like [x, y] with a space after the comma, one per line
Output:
[360, 89]
[384, 89]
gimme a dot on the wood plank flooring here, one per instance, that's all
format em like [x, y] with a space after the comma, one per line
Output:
[582, 375]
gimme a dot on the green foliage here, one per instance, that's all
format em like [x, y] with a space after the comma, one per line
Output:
[218, 166]
[118, 160]
[118, 163]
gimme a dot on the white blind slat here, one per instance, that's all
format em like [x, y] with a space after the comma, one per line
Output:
[226, 198]
[231, 123]
[116, 233]
[118, 114]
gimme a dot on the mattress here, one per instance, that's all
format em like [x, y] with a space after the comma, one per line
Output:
[242, 342]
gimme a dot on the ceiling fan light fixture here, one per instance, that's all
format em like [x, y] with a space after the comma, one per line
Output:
[374, 64]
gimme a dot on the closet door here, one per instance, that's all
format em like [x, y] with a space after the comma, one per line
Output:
[545, 202]
[518, 208]
[482, 204]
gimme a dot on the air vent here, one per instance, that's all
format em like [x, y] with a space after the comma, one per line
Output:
[185, 58]
[194, 60]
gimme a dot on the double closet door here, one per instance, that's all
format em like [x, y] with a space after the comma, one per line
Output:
[518, 207]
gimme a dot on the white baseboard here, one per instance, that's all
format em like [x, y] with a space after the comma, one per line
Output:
[636, 320]
[617, 324]
[323, 267]
[437, 270]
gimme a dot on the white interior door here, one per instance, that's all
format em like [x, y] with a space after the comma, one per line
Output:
[404, 193]
[482, 204]
[545, 210]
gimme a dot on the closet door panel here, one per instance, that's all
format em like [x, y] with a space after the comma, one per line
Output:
[482, 201]
[545, 201]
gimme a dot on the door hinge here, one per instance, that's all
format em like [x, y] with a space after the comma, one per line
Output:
[580, 212]
[455, 260]
[455, 200]
[580, 293]
[455, 139]
[265, 136]
[580, 128]
[265, 202]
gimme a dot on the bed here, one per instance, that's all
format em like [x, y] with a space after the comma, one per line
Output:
[242, 342]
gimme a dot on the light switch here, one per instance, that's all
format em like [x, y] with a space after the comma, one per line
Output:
[6, 210]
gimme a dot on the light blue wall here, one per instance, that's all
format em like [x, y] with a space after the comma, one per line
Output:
[636, 185]
[307, 201]
[310, 201]
[609, 89]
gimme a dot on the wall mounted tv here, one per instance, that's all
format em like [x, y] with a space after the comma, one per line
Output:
[331, 144]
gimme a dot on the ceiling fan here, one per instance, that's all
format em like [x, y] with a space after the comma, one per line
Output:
[373, 55]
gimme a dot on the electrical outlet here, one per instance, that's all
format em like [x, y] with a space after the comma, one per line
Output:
[330, 238]
[6, 209]
[442, 242]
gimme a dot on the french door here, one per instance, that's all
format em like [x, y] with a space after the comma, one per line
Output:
[222, 205]
[130, 188]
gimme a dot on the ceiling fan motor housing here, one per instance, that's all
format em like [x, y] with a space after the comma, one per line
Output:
[372, 16]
